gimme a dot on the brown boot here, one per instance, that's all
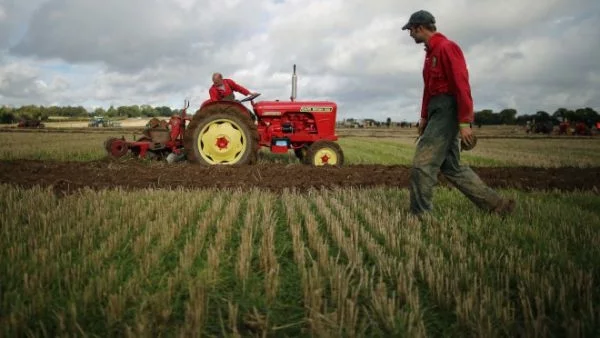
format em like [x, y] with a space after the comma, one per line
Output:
[505, 207]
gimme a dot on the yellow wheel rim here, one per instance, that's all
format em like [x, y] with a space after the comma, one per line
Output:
[222, 141]
[325, 156]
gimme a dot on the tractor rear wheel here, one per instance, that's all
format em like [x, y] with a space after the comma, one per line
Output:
[221, 134]
[323, 153]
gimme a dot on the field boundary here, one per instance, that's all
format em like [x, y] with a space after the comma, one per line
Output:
[134, 174]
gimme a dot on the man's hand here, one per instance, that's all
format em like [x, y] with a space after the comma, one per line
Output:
[422, 125]
[468, 139]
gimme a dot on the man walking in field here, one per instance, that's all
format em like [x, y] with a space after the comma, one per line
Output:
[446, 113]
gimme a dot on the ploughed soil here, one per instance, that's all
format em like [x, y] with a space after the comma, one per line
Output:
[70, 176]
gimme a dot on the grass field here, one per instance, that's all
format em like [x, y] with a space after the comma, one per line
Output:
[357, 150]
[339, 262]
[327, 263]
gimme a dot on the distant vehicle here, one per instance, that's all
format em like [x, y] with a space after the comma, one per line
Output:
[101, 121]
[542, 127]
[582, 129]
[30, 123]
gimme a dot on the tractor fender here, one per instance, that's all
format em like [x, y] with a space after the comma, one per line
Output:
[233, 104]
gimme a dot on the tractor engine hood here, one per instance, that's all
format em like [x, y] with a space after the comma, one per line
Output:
[270, 107]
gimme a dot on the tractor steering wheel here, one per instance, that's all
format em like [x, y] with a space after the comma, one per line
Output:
[249, 98]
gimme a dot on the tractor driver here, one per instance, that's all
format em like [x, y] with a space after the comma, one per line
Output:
[222, 89]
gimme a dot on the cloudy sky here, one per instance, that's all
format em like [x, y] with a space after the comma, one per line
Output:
[528, 55]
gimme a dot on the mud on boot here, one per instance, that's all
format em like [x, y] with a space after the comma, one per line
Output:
[506, 206]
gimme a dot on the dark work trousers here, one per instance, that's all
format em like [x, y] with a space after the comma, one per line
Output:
[439, 149]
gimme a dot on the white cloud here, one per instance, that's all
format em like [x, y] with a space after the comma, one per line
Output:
[529, 55]
[2, 13]
[24, 84]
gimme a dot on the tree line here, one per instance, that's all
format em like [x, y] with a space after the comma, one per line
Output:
[14, 114]
[509, 116]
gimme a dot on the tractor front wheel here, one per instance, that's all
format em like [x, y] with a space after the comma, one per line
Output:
[221, 135]
[322, 153]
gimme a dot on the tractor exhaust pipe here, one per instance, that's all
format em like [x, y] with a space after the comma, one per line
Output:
[294, 85]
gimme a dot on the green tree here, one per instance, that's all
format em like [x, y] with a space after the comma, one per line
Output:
[542, 116]
[111, 112]
[560, 113]
[587, 115]
[54, 111]
[29, 111]
[148, 111]
[485, 116]
[164, 111]
[7, 115]
[122, 111]
[508, 116]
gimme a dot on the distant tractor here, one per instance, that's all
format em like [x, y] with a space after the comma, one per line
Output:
[564, 128]
[30, 123]
[227, 132]
[100, 121]
[582, 129]
[541, 127]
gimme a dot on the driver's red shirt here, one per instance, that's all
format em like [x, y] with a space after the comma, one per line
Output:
[229, 86]
[445, 72]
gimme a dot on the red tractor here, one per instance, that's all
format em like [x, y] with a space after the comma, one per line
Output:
[227, 132]
[582, 129]
[30, 123]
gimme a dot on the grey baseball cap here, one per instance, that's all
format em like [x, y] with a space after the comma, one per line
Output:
[419, 18]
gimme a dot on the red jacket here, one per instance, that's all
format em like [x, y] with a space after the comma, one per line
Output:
[445, 72]
[230, 86]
